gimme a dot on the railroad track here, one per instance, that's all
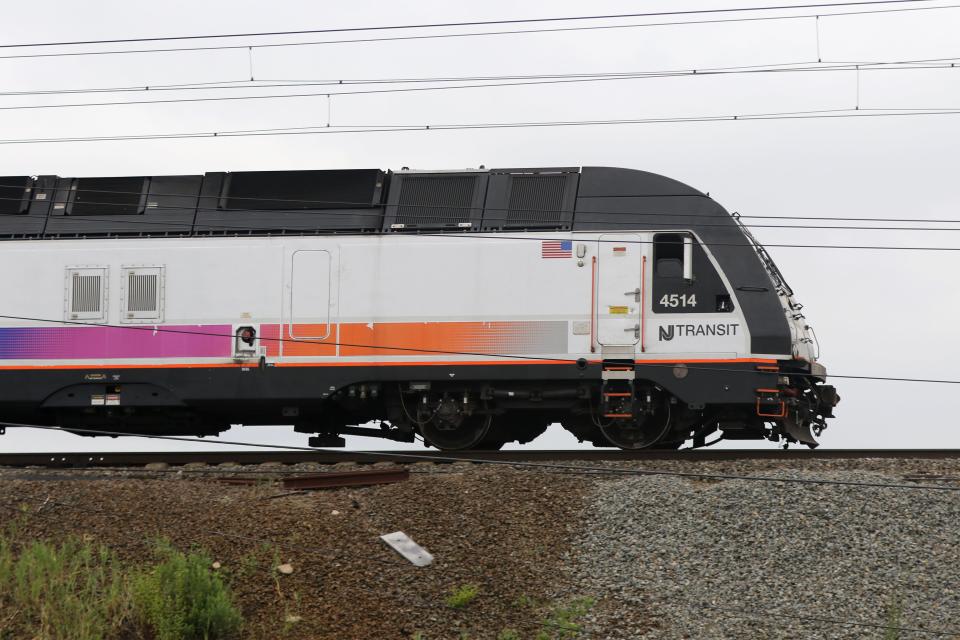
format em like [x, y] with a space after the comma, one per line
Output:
[175, 458]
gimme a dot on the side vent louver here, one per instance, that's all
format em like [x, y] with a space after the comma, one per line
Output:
[142, 294]
[86, 294]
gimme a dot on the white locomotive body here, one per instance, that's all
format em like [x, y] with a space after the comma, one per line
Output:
[471, 308]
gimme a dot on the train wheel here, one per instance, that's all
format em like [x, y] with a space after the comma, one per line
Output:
[640, 432]
[454, 433]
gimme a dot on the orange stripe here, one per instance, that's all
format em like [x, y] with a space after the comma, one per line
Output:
[426, 363]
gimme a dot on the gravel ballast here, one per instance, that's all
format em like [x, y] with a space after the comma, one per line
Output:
[751, 559]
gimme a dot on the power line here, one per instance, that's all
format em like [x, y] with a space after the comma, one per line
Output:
[153, 329]
[512, 218]
[545, 466]
[347, 129]
[509, 81]
[473, 34]
[223, 85]
[473, 23]
[202, 229]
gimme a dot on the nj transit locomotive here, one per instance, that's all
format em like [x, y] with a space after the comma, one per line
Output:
[472, 308]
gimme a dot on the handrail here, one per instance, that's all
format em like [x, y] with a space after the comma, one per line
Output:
[593, 304]
[643, 304]
[778, 280]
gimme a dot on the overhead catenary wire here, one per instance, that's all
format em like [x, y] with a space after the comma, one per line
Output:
[211, 230]
[154, 329]
[471, 23]
[323, 129]
[225, 85]
[533, 81]
[512, 217]
[399, 38]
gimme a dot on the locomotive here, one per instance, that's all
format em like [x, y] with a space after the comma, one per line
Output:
[467, 308]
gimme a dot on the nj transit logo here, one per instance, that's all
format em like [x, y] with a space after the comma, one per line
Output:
[671, 331]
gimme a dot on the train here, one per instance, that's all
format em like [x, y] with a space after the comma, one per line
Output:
[464, 308]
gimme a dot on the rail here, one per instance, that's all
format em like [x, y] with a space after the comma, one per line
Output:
[175, 458]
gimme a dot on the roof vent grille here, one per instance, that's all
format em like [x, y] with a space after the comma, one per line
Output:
[536, 200]
[435, 201]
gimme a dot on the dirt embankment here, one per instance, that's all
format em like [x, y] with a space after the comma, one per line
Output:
[532, 553]
[503, 532]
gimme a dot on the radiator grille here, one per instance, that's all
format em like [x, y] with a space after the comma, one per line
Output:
[435, 201]
[86, 294]
[535, 201]
[142, 292]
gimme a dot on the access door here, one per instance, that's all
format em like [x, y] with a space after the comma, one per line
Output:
[310, 295]
[620, 292]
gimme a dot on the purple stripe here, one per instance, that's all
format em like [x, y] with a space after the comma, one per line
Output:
[67, 343]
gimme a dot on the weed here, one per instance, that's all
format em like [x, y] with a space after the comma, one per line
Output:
[508, 634]
[463, 595]
[894, 612]
[291, 614]
[562, 621]
[417, 636]
[524, 601]
[74, 591]
[182, 599]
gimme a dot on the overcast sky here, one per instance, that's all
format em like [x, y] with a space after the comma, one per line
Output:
[877, 313]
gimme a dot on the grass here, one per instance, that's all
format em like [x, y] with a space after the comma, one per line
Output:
[180, 598]
[463, 595]
[80, 590]
[72, 591]
[561, 623]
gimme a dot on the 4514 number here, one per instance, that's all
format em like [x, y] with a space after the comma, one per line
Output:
[675, 300]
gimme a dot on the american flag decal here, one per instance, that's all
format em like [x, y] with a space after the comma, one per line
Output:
[556, 249]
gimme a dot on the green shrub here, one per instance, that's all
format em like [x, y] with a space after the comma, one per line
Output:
[74, 591]
[181, 598]
[462, 596]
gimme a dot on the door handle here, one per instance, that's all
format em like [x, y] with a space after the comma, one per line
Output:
[635, 293]
[636, 330]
